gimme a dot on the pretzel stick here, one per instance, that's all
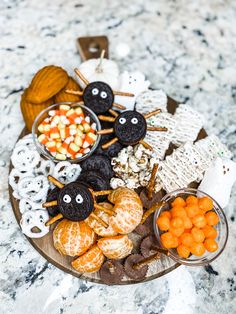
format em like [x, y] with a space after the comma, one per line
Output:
[118, 106]
[105, 118]
[111, 142]
[157, 128]
[111, 267]
[98, 68]
[106, 131]
[152, 113]
[105, 210]
[55, 182]
[80, 75]
[49, 204]
[104, 192]
[151, 182]
[150, 211]
[53, 219]
[122, 94]
[74, 92]
[113, 112]
[103, 223]
[145, 144]
[146, 261]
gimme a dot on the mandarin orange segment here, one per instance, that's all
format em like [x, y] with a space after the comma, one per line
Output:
[192, 200]
[179, 201]
[199, 221]
[73, 238]
[198, 235]
[116, 247]
[211, 245]
[197, 249]
[209, 232]
[205, 203]
[212, 218]
[163, 223]
[89, 262]
[183, 251]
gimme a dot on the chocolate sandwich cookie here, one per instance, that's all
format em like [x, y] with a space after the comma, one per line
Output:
[98, 96]
[130, 127]
[75, 201]
[135, 273]
[98, 162]
[52, 196]
[148, 246]
[96, 181]
[111, 272]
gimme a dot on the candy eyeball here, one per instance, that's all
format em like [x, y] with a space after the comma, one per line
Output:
[79, 199]
[67, 198]
[122, 120]
[103, 95]
[95, 91]
[134, 120]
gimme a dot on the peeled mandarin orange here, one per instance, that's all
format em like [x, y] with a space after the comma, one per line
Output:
[187, 239]
[205, 203]
[199, 221]
[198, 235]
[183, 251]
[209, 232]
[166, 213]
[212, 218]
[176, 222]
[211, 245]
[179, 201]
[169, 241]
[192, 200]
[197, 249]
[163, 223]
[176, 231]
[192, 210]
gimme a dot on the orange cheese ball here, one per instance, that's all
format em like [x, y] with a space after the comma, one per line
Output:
[212, 218]
[198, 235]
[178, 212]
[183, 251]
[199, 221]
[192, 200]
[192, 210]
[166, 213]
[177, 222]
[211, 245]
[209, 232]
[197, 249]
[187, 222]
[163, 223]
[176, 231]
[205, 203]
[187, 239]
[179, 201]
[169, 241]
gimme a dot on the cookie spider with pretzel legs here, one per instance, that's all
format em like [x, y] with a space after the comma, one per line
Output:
[98, 96]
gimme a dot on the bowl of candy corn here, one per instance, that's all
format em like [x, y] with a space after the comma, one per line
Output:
[66, 131]
[191, 226]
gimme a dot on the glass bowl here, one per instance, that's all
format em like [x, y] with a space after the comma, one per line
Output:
[43, 114]
[221, 227]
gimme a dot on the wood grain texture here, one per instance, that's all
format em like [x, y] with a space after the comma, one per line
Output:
[45, 245]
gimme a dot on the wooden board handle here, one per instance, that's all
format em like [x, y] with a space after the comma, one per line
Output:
[91, 47]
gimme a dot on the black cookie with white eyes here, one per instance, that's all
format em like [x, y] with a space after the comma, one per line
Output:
[52, 196]
[99, 163]
[98, 96]
[130, 127]
[75, 201]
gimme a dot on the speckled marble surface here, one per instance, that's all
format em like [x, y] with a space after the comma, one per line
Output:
[189, 51]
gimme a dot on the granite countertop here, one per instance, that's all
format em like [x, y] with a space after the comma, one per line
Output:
[186, 48]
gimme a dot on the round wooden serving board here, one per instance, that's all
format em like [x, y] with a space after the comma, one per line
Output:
[45, 246]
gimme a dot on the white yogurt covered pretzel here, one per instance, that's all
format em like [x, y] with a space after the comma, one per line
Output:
[34, 219]
[66, 172]
[34, 188]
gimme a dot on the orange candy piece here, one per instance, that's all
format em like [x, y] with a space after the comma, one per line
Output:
[205, 203]
[212, 218]
[209, 232]
[163, 223]
[179, 201]
[198, 235]
[198, 249]
[183, 251]
[199, 221]
[169, 241]
[211, 245]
